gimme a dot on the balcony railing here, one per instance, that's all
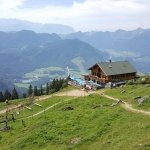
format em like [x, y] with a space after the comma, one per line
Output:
[93, 77]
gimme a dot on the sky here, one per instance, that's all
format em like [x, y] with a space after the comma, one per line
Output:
[82, 15]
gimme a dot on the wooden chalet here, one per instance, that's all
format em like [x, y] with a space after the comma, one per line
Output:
[105, 72]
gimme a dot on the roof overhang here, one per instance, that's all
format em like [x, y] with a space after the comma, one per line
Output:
[99, 67]
[93, 66]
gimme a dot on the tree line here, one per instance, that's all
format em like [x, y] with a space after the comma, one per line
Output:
[50, 88]
[8, 95]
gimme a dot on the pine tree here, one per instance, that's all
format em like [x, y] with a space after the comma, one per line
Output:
[57, 85]
[35, 91]
[24, 95]
[15, 94]
[30, 90]
[2, 99]
[52, 85]
[41, 90]
[47, 89]
[7, 95]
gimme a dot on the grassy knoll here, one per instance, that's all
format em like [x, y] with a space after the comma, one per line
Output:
[101, 128]
[129, 92]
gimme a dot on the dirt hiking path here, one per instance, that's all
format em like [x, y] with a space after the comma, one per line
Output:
[125, 105]
[80, 93]
[74, 93]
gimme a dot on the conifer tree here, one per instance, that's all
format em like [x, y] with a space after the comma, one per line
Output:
[47, 89]
[52, 85]
[7, 95]
[2, 99]
[57, 85]
[30, 90]
[24, 95]
[35, 91]
[15, 94]
[41, 90]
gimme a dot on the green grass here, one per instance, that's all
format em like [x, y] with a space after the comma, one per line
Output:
[11, 102]
[46, 103]
[23, 101]
[22, 85]
[132, 91]
[41, 72]
[103, 128]
[69, 88]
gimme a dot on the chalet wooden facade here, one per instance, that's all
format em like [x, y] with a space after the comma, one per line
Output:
[105, 72]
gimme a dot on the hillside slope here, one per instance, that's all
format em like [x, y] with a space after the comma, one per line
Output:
[82, 127]
[27, 50]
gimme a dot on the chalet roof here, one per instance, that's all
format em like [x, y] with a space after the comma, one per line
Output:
[114, 68]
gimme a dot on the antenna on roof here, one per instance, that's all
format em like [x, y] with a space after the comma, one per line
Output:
[110, 59]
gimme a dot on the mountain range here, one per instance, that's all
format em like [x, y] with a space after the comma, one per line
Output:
[17, 25]
[132, 45]
[24, 51]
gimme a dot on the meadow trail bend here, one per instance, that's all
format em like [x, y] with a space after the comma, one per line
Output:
[125, 105]
[74, 93]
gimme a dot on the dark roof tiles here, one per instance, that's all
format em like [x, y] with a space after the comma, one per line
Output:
[114, 68]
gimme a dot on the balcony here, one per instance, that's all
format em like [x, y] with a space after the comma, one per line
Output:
[95, 78]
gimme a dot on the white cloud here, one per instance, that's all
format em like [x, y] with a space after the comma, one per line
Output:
[88, 15]
[10, 4]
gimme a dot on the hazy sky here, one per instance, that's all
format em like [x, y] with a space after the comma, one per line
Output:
[85, 15]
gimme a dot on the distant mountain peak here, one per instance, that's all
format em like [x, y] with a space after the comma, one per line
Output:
[17, 25]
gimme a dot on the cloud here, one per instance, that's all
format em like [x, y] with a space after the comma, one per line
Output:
[87, 15]
[10, 4]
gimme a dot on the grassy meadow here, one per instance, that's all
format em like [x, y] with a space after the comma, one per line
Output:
[129, 92]
[90, 124]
